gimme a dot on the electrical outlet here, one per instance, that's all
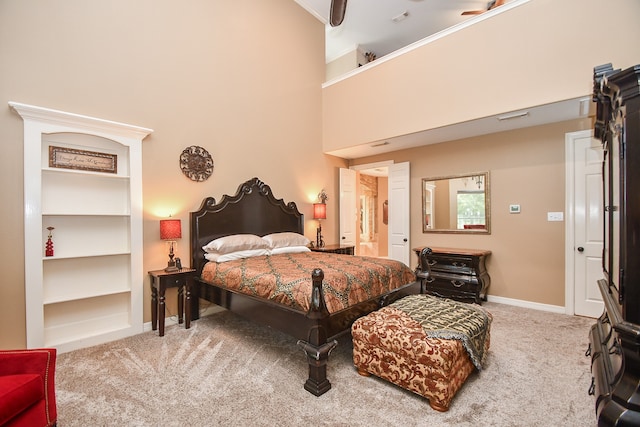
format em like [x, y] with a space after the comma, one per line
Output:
[555, 216]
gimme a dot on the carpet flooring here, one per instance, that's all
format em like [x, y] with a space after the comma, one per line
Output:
[225, 371]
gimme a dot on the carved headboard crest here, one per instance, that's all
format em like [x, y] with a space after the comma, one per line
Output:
[248, 187]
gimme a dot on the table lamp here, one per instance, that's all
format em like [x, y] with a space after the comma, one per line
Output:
[319, 213]
[170, 229]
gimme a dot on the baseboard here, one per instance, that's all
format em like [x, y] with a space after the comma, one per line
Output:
[527, 304]
[173, 320]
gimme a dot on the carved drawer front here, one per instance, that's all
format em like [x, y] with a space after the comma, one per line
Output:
[462, 283]
[452, 264]
[454, 293]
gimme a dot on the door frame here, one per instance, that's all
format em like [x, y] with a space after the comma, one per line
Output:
[381, 164]
[569, 245]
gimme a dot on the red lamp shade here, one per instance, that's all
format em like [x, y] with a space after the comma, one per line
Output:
[319, 211]
[170, 229]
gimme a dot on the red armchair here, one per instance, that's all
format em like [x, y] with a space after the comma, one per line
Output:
[27, 388]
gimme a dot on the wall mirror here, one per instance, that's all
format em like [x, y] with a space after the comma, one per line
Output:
[456, 204]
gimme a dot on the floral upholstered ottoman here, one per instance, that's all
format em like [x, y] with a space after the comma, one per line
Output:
[422, 343]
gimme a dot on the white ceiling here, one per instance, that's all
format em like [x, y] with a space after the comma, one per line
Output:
[368, 24]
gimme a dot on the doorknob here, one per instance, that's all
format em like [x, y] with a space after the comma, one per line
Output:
[404, 240]
[343, 237]
[580, 249]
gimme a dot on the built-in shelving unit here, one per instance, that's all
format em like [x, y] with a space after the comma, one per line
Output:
[90, 290]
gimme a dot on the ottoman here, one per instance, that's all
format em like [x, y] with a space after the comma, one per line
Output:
[424, 344]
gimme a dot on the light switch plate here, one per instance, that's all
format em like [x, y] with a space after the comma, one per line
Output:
[555, 216]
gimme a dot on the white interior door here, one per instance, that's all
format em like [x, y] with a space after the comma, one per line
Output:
[348, 212]
[399, 213]
[585, 254]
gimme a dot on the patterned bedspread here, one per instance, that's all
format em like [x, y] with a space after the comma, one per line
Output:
[286, 278]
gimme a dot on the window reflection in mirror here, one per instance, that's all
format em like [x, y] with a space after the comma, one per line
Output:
[456, 204]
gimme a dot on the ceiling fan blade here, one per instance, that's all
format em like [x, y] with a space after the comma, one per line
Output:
[492, 5]
[336, 14]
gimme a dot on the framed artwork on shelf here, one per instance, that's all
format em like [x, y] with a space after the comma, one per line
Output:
[70, 158]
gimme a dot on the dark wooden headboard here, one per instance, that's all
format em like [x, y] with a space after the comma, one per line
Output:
[253, 209]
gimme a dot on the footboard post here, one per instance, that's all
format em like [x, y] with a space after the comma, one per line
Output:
[317, 348]
[317, 356]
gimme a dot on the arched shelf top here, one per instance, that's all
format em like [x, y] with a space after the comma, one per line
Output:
[54, 121]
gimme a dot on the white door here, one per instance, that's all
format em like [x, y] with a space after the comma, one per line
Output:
[348, 213]
[399, 212]
[585, 254]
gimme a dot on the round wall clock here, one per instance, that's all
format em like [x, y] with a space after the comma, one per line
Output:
[196, 163]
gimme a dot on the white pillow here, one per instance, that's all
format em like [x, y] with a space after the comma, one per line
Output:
[289, 250]
[235, 243]
[280, 240]
[235, 255]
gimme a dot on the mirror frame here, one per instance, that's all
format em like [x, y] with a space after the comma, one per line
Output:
[487, 205]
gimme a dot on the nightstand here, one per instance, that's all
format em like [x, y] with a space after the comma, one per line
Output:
[335, 249]
[160, 281]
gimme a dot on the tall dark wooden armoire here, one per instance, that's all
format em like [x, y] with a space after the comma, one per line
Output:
[615, 338]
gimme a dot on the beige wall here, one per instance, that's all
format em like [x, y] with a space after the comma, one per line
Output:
[506, 63]
[541, 52]
[243, 79]
[527, 167]
[240, 78]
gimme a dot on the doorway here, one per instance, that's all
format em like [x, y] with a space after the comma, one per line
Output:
[584, 226]
[372, 222]
[396, 212]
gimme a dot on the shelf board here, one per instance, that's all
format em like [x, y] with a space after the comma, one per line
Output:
[54, 258]
[102, 326]
[90, 214]
[87, 296]
[83, 172]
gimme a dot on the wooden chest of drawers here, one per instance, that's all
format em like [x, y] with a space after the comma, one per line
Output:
[459, 274]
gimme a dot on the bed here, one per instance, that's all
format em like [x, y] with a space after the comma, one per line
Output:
[311, 309]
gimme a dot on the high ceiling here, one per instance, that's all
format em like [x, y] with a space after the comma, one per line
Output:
[370, 24]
